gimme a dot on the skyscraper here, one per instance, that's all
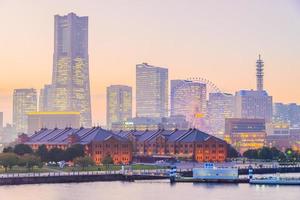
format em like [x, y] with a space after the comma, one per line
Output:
[253, 104]
[220, 107]
[259, 74]
[151, 91]
[118, 104]
[46, 98]
[24, 101]
[70, 78]
[1, 121]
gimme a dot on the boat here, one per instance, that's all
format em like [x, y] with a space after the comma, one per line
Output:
[209, 174]
[275, 180]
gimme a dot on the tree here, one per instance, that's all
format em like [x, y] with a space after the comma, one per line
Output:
[21, 149]
[232, 152]
[74, 151]
[8, 150]
[8, 160]
[84, 161]
[29, 161]
[42, 152]
[56, 155]
[265, 153]
[251, 154]
[291, 156]
[107, 160]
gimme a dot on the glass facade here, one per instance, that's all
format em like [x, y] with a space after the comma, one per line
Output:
[119, 104]
[24, 101]
[151, 91]
[220, 107]
[70, 78]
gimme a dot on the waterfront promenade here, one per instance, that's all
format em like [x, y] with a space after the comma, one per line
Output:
[123, 175]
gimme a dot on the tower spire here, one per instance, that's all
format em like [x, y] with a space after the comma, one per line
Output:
[259, 74]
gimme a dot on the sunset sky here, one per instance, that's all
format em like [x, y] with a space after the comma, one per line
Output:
[215, 39]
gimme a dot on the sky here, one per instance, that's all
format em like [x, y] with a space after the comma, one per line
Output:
[214, 39]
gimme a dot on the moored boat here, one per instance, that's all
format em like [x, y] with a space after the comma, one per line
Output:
[275, 181]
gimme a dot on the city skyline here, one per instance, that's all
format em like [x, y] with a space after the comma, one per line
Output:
[188, 64]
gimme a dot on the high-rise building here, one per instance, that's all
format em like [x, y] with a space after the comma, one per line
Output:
[220, 106]
[46, 98]
[1, 121]
[70, 78]
[151, 91]
[119, 104]
[188, 98]
[252, 104]
[24, 101]
[259, 74]
[287, 113]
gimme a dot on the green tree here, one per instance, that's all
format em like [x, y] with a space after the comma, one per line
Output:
[107, 160]
[56, 155]
[74, 151]
[232, 152]
[29, 161]
[21, 149]
[251, 154]
[84, 162]
[42, 152]
[265, 153]
[8, 150]
[291, 156]
[8, 160]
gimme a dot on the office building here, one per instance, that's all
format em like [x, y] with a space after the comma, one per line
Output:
[245, 134]
[51, 120]
[118, 104]
[1, 121]
[220, 107]
[287, 113]
[151, 91]
[24, 101]
[70, 77]
[252, 104]
[46, 98]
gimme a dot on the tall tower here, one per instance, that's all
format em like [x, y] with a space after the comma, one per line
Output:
[119, 104]
[259, 74]
[70, 78]
[24, 101]
[151, 91]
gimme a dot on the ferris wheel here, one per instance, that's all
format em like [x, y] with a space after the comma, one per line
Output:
[189, 99]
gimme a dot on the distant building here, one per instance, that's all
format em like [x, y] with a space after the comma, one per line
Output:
[245, 134]
[118, 104]
[251, 104]
[1, 121]
[137, 123]
[188, 99]
[24, 101]
[70, 78]
[189, 144]
[98, 143]
[50, 120]
[46, 99]
[143, 123]
[287, 113]
[151, 91]
[220, 106]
